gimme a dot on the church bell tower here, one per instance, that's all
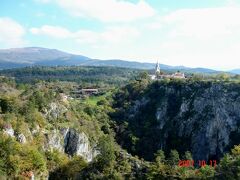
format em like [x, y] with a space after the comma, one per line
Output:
[157, 69]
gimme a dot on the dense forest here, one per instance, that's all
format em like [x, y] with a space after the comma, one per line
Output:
[117, 134]
[100, 76]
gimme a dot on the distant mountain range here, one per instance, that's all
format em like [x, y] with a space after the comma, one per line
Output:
[32, 56]
[235, 71]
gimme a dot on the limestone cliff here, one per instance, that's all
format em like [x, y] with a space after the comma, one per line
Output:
[202, 117]
[71, 142]
[67, 140]
[207, 116]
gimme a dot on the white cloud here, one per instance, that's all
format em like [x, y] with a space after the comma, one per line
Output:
[112, 35]
[207, 37]
[232, 3]
[108, 10]
[118, 34]
[153, 26]
[86, 37]
[52, 31]
[203, 23]
[11, 33]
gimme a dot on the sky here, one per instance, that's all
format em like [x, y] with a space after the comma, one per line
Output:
[193, 33]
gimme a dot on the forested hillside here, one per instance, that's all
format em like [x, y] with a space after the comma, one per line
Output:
[45, 134]
[141, 130]
[84, 75]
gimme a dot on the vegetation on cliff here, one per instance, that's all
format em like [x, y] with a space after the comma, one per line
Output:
[123, 125]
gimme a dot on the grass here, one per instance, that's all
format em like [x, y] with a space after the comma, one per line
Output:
[93, 100]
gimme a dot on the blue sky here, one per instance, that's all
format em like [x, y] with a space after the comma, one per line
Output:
[194, 33]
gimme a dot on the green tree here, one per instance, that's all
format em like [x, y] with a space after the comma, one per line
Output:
[174, 158]
[55, 159]
[205, 172]
[107, 156]
[158, 169]
[159, 156]
[66, 169]
[223, 76]
[228, 167]
[188, 155]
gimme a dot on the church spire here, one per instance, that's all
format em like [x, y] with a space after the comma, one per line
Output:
[157, 69]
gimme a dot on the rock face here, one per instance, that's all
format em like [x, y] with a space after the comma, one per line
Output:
[54, 111]
[54, 140]
[206, 117]
[21, 138]
[78, 143]
[202, 117]
[9, 131]
[71, 142]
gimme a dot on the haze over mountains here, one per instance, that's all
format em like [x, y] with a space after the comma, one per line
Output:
[235, 71]
[31, 56]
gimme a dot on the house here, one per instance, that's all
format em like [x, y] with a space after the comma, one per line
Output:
[179, 75]
[89, 91]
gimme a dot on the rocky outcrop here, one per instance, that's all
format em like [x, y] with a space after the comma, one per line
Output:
[54, 140]
[21, 138]
[78, 143]
[206, 116]
[67, 140]
[8, 130]
[201, 117]
[71, 142]
[54, 111]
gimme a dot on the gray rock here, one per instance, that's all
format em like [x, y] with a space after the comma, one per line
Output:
[205, 114]
[54, 111]
[21, 138]
[9, 131]
[215, 115]
[71, 142]
[78, 143]
[54, 141]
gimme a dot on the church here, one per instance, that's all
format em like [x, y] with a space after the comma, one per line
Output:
[159, 75]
